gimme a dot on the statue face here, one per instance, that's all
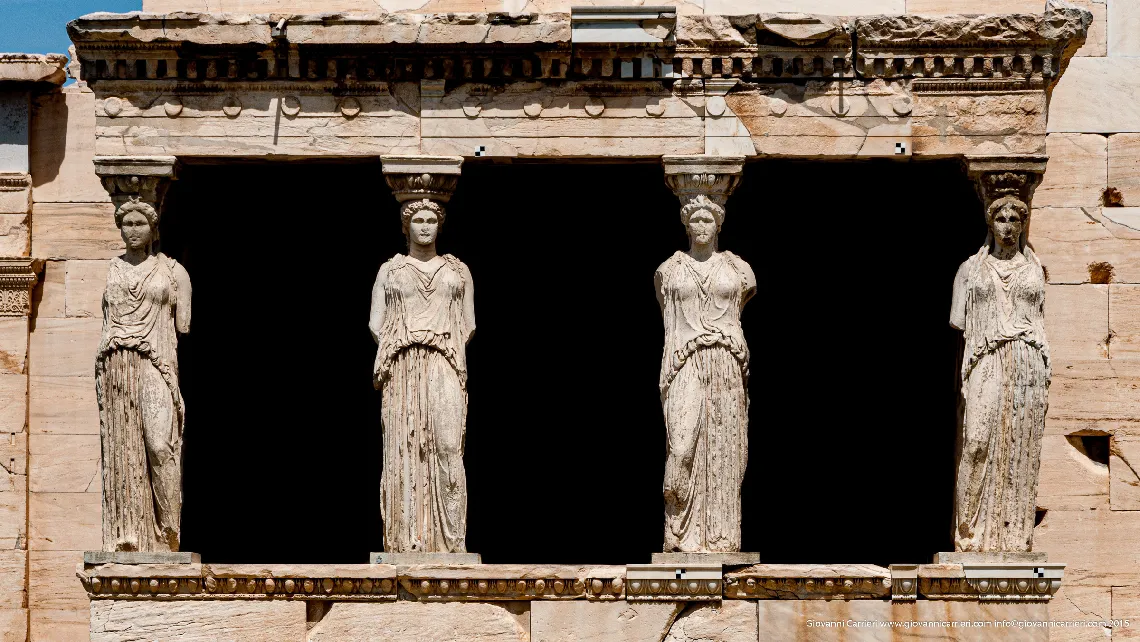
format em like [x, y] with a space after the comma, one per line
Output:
[423, 227]
[702, 227]
[136, 231]
[1008, 223]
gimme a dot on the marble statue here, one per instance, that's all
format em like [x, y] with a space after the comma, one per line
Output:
[703, 384]
[998, 303]
[146, 305]
[422, 317]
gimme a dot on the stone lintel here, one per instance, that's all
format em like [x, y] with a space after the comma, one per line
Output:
[808, 582]
[991, 557]
[32, 69]
[1002, 582]
[140, 557]
[17, 276]
[672, 582]
[724, 559]
[406, 559]
[990, 582]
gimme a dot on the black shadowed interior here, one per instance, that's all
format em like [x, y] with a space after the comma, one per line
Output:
[853, 363]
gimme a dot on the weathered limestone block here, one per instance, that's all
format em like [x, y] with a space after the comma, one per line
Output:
[75, 231]
[13, 516]
[15, 193]
[64, 463]
[1123, 29]
[1081, 245]
[13, 402]
[13, 345]
[1124, 472]
[442, 622]
[1077, 172]
[33, 68]
[1126, 606]
[727, 621]
[64, 521]
[84, 283]
[821, 7]
[1076, 321]
[1115, 107]
[52, 290]
[1124, 321]
[52, 584]
[1096, 42]
[60, 624]
[13, 578]
[619, 621]
[1093, 394]
[1069, 479]
[63, 405]
[13, 461]
[13, 625]
[122, 621]
[62, 147]
[951, 7]
[1081, 603]
[866, 620]
[64, 347]
[1099, 547]
[1124, 166]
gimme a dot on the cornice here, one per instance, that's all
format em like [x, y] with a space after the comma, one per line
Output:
[32, 69]
[190, 47]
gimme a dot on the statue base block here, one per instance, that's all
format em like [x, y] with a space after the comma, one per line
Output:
[991, 557]
[724, 559]
[415, 559]
[138, 557]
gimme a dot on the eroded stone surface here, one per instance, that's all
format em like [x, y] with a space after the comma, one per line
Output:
[32, 68]
[728, 621]
[402, 621]
[580, 621]
[122, 621]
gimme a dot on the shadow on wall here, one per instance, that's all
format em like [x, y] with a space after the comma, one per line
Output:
[852, 388]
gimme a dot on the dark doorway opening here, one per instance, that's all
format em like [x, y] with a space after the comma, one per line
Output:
[852, 388]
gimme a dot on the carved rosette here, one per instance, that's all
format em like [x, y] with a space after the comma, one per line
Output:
[136, 178]
[1000, 176]
[17, 276]
[422, 177]
[709, 179]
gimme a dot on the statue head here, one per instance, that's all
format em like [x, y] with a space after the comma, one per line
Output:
[138, 223]
[702, 218]
[1007, 218]
[421, 220]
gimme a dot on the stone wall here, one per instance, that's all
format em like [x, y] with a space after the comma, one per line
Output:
[1091, 252]
[1088, 241]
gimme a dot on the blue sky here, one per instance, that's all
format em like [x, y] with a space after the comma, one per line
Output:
[40, 26]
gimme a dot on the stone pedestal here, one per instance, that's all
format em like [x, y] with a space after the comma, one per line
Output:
[994, 557]
[140, 557]
[724, 559]
[415, 559]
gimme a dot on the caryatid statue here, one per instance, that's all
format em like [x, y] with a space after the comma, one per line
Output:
[999, 304]
[423, 315]
[146, 305]
[704, 366]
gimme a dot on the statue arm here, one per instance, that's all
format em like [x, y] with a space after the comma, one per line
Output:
[182, 303]
[659, 288]
[379, 305]
[468, 303]
[958, 298]
[749, 285]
